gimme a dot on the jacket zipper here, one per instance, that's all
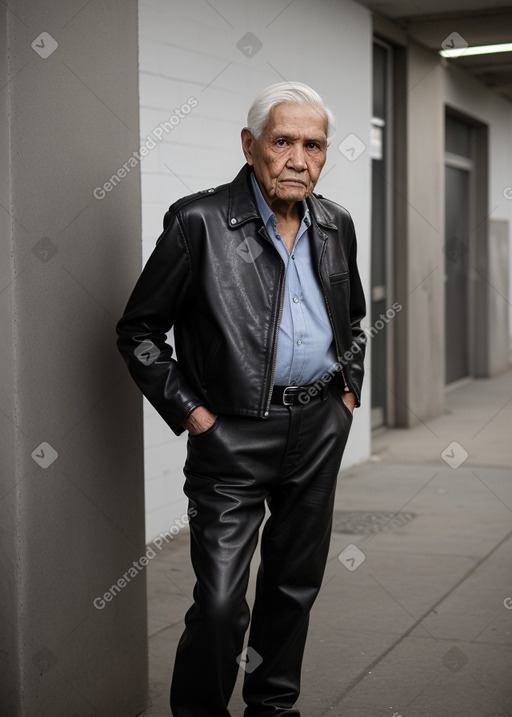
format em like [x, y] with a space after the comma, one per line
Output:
[329, 314]
[274, 357]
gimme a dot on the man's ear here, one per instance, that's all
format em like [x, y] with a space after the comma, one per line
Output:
[247, 141]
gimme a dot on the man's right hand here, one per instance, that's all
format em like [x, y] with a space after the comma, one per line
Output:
[199, 420]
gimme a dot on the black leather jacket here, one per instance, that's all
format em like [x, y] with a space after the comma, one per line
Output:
[217, 280]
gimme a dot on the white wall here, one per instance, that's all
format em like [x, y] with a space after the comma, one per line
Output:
[189, 49]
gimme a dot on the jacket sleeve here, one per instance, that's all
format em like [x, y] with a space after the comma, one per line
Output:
[357, 314]
[159, 297]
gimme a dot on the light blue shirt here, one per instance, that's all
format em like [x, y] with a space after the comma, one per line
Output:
[305, 346]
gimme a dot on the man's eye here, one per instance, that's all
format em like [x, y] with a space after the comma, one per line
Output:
[281, 142]
[312, 145]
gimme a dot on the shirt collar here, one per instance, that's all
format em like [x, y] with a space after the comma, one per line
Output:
[266, 212]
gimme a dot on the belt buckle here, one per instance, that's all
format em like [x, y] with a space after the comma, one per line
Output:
[289, 388]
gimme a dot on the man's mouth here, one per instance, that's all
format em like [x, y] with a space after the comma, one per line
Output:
[297, 182]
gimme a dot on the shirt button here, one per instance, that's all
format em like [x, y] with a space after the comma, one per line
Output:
[295, 299]
[299, 342]
[293, 256]
[233, 221]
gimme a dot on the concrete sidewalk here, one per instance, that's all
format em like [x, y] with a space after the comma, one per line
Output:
[415, 615]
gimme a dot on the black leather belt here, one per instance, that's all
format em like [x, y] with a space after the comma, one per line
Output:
[298, 395]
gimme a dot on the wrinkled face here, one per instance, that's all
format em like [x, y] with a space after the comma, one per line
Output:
[290, 153]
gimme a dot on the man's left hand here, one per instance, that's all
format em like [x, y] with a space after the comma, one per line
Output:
[349, 399]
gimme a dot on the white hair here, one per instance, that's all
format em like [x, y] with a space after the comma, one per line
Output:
[286, 92]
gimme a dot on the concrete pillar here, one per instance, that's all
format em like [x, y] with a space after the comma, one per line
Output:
[71, 491]
[420, 388]
[498, 298]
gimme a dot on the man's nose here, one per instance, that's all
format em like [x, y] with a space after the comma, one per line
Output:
[297, 159]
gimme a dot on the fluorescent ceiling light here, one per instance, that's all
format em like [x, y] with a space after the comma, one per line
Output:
[478, 50]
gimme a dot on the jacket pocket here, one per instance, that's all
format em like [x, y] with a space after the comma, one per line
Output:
[339, 278]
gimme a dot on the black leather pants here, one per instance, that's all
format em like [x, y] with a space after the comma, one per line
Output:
[291, 461]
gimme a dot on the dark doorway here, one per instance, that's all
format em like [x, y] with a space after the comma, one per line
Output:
[379, 299]
[458, 250]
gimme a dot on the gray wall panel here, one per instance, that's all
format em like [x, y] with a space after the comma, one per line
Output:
[72, 472]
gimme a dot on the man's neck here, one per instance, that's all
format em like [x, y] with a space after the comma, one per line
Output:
[288, 216]
[286, 212]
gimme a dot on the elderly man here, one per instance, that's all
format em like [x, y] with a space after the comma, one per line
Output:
[259, 280]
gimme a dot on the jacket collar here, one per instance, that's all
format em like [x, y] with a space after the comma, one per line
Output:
[242, 206]
[322, 216]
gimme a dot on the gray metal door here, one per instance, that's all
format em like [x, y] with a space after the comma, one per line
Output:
[380, 230]
[456, 272]
[457, 249]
